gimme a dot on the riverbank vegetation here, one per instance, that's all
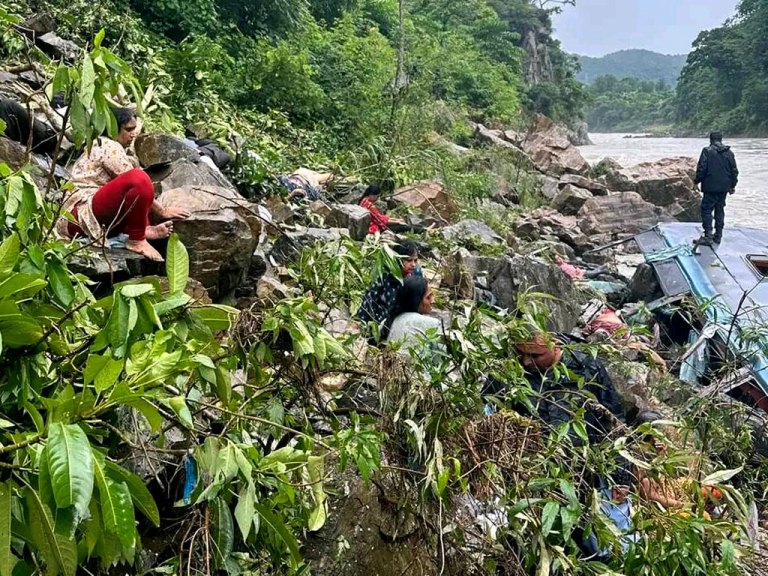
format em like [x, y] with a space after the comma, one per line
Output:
[630, 105]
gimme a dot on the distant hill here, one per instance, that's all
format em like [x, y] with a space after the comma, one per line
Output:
[640, 64]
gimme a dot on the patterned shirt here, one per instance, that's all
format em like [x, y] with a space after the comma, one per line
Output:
[379, 301]
[106, 160]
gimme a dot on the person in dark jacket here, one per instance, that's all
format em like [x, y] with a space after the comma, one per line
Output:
[718, 175]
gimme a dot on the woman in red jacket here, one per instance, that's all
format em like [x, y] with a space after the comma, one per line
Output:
[379, 221]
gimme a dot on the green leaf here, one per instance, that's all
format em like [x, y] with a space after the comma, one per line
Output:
[59, 552]
[281, 531]
[217, 317]
[141, 496]
[245, 511]
[9, 254]
[223, 532]
[136, 290]
[20, 286]
[179, 405]
[117, 326]
[116, 507]
[177, 265]
[721, 476]
[18, 329]
[61, 283]
[548, 517]
[99, 38]
[87, 82]
[7, 560]
[315, 473]
[172, 303]
[70, 462]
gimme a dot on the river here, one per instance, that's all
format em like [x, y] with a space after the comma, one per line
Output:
[748, 207]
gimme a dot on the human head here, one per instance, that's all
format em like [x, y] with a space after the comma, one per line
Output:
[621, 481]
[538, 353]
[715, 137]
[408, 253]
[126, 125]
[414, 296]
[372, 192]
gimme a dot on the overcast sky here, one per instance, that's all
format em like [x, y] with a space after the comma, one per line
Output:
[598, 27]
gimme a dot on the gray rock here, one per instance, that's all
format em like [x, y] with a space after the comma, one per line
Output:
[354, 218]
[549, 187]
[114, 264]
[220, 235]
[281, 212]
[551, 151]
[578, 134]
[58, 47]
[184, 172]
[512, 276]
[472, 233]
[153, 149]
[39, 24]
[525, 229]
[429, 198]
[624, 213]
[570, 200]
[597, 188]
[288, 246]
[269, 291]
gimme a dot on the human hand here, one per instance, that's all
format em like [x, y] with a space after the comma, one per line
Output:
[173, 213]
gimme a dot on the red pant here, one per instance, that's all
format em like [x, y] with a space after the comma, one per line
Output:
[122, 205]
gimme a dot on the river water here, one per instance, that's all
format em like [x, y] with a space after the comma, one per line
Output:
[748, 207]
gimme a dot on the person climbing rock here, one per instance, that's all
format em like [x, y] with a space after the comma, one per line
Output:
[718, 176]
[112, 196]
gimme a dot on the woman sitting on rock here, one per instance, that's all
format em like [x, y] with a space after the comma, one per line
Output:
[379, 300]
[410, 318]
[380, 222]
[112, 196]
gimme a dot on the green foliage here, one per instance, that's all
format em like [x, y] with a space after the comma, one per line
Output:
[629, 105]
[723, 83]
[641, 65]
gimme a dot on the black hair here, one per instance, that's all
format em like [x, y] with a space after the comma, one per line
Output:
[715, 137]
[406, 249]
[370, 190]
[123, 116]
[410, 295]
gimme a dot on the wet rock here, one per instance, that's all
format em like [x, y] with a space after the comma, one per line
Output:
[512, 276]
[58, 47]
[354, 218]
[429, 198]
[597, 188]
[472, 233]
[623, 213]
[570, 200]
[288, 246]
[220, 235]
[550, 150]
[153, 149]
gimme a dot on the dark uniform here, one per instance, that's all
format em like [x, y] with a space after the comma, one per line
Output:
[718, 175]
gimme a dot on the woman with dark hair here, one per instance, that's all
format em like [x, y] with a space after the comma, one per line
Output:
[380, 221]
[379, 300]
[410, 317]
[111, 195]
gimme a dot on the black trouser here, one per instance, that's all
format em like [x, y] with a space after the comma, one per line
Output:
[713, 201]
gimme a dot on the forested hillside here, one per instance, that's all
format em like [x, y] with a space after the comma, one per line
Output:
[724, 84]
[629, 105]
[638, 64]
[302, 81]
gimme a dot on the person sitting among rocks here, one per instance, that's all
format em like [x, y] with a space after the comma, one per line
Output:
[380, 222]
[411, 320]
[112, 196]
[577, 377]
[305, 183]
[379, 301]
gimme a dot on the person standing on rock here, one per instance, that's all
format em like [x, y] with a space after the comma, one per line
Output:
[718, 176]
[112, 196]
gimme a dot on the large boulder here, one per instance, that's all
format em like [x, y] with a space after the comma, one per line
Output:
[570, 199]
[57, 47]
[667, 183]
[184, 172]
[220, 235]
[551, 151]
[429, 198]
[597, 188]
[511, 277]
[550, 187]
[153, 149]
[288, 246]
[472, 233]
[621, 213]
[354, 218]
